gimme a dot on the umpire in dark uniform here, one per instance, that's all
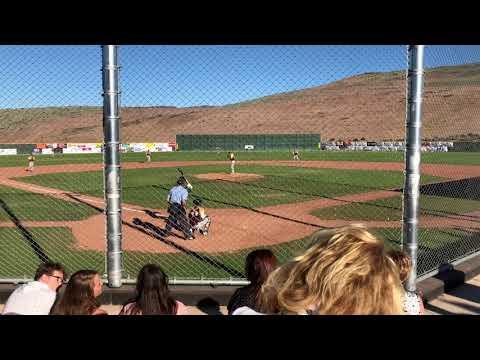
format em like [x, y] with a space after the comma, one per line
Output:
[177, 204]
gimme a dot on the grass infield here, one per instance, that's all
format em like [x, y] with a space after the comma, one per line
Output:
[280, 185]
[391, 208]
[19, 205]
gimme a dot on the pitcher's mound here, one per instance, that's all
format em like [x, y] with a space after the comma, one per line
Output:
[238, 177]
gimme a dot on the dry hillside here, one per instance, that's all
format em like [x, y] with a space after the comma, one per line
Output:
[369, 105]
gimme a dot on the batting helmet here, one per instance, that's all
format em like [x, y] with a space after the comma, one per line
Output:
[182, 181]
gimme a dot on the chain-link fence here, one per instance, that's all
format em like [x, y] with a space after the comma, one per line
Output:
[50, 95]
[260, 102]
[187, 108]
[450, 217]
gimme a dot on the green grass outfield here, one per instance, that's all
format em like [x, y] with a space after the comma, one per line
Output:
[391, 208]
[460, 158]
[16, 204]
[19, 260]
[280, 185]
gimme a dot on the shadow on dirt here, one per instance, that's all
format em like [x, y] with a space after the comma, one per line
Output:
[159, 234]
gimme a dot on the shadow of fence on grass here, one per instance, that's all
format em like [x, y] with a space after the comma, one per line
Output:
[27, 235]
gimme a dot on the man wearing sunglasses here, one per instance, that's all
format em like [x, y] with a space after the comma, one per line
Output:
[37, 297]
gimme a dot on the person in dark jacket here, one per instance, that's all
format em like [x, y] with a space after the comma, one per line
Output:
[258, 265]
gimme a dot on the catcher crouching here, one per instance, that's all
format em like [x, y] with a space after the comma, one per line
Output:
[198, 218]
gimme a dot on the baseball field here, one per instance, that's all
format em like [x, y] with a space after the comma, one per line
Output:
[56, 212]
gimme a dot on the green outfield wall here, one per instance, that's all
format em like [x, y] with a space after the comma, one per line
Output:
[189, 142]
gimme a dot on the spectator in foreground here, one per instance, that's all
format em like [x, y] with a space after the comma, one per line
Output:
[38, 296]
[81, 295]
[152, 296]
[346, 271]
[267, 302]
[412, 302]
[258, 265]
[268, 295]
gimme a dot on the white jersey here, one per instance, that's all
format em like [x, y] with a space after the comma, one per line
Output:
[33, 298]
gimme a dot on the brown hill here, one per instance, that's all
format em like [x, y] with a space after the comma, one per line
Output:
[370, 105]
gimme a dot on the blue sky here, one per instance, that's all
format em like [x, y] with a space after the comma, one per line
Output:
[39, 76]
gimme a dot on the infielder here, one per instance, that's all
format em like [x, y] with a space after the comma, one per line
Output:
[296, 155]
[231, 157]
[31, 162]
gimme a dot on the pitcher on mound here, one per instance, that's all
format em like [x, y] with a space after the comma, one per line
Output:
[31, 162]
[231, 157]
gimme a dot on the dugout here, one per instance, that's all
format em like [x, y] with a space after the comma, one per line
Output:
[189, 142]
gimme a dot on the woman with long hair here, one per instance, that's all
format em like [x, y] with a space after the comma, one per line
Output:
[152, 296]
[81, 295]
[346, 271]
[258, 265]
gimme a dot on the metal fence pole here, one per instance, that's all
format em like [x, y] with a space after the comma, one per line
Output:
[111, 131]
[412, 158]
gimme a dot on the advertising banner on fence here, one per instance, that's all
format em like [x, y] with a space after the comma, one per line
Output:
[138, 147]
[159, 147]
[87, 148]
[142, 147]
[8, 151]
[47, 151]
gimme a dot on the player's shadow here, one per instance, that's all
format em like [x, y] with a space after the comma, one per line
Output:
[27, 235]
[155, 215]
[159, 234]
[149, 226]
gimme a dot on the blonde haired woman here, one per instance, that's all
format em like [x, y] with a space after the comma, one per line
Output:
[346, 271]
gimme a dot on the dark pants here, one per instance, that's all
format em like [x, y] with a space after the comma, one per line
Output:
[178, 219]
